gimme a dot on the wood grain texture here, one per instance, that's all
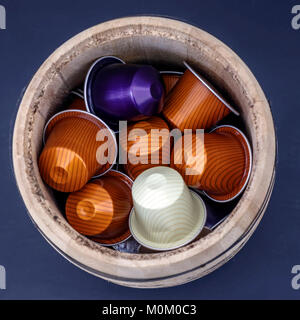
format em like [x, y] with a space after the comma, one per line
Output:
[156, 41]
[68, 159]
[101, 209]
[191, 105]
[222, 169]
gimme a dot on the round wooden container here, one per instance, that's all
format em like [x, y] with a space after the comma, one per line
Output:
[164, 43]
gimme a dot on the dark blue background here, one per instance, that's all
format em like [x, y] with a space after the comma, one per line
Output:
[260, 33]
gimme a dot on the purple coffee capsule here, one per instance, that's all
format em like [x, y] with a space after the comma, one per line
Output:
[216, 212]
[128, 246]
[117, 91]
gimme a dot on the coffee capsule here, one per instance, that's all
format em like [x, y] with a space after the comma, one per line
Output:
[101, 209]
[194, 103]
[166, 214]
[145, 144]
[117, 91]
[220, 165]
[78, 146]
[170, 78]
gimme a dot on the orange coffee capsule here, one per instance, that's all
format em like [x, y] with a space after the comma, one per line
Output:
[69, 158]
[101, 208]
[170, 78]
[151, 147]
[194, 103]
[221, 166]
[77, 102]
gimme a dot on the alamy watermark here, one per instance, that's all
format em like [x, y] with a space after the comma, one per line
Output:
[2, 18]
[296, 279]
[136, 145]
[296, 19]
[2, 278]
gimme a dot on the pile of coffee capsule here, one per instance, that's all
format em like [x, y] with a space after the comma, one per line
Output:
[142, 158]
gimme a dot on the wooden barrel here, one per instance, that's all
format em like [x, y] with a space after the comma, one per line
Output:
[165, 43]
